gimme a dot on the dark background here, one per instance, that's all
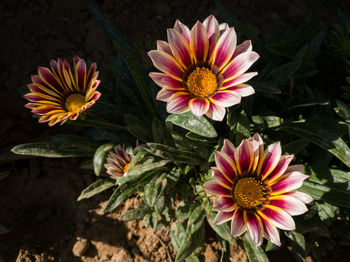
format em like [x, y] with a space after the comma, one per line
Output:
[38, 198]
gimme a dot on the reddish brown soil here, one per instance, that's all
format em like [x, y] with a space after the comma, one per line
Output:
[38, 198]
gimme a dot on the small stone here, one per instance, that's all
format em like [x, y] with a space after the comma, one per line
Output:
[80, 247]
[122, 256]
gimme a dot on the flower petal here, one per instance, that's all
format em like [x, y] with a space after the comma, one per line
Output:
[226, 98]
[242, 90]
[239, 65]
[223, 217]
[288, 203]
[272, 156]
[164, 46]
[258, 148]
[183, 30]
[229, 149]
[224, 204]
[278, 217]
[179, 47]
[226, 165]
[216, 112]
[166, 81]
[280, 169]
[246, 46]
[255, 228]
[271, 232]
[166, 63]
[301, 196]
[212, 26]
[199, 42]
[178, 103]
[244, 157]
[239, 80]
[288, 182]
[300, 168]
[221, 178]
[213, 187]
[199, 106]
[164, 94]
[238, 225]
[224, 48]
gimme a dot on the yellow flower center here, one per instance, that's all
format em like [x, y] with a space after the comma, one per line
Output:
[75, 102]
[202, 82]
[249, 193]
[126, 167]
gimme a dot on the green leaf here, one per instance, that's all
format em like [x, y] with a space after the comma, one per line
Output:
[324, 133]
[254, 253]
[311, 225]
[96, 188]
[184, 210]
[197, 125]
[58, 146]
[136, 214]
[100, 157]
[153, 189]
[222, 230]
[146, 220]
[172, 154]
[160, 133]
[327, 211]
[295, 146]
[328, 194]
[333, 178]
[160, 204]
[137, 128]
[137, 169]
[177, 234]
[343, 110]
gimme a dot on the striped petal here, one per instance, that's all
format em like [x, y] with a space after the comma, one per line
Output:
[288, 182]
[179, 47]
[223, 217]
[178, 103]
[238, 225]
[224, 204]
[226, 165]
[164, 94]
[278, 217]
[183, 30]
[212, 26]
[246, 46]
[271, 232]
[244, 157]
[226, 98]
[258, 148]
[280, 169]
[272, 156]
[299, 168]
[212, 187]
[223, 27]
[288, 203]
[165, 81]
[239, 65]
[221, 178]
[216, 112]
[224, 48]
[199, 106]
[300, 195]
[255, 228]
[199, 42]
[242, 90]
[166, 63]
[229, 149]
[239, 80]
[164, 46]
[80, 72]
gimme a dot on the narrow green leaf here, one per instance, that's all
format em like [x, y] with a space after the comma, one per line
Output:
[197, 125]
[172, 154]
[222, 230]
[152, 190]
[177, 234]
[96, 188]
[334, 178]
[327, 211]
[100, 157]
[254, 253]
[298, 245]
[136, 214]
[333, 196]
[184, 210]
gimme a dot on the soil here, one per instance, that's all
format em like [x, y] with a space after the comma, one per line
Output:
[38, 199]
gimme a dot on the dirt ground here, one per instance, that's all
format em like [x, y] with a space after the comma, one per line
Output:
[38, 198]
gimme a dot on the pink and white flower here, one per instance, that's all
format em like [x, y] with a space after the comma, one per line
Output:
[255, 189]
[203, 70]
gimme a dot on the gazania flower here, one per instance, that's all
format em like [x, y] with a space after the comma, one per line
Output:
[203, 69]
[118, 162]
[256, 189]
[60, 94]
